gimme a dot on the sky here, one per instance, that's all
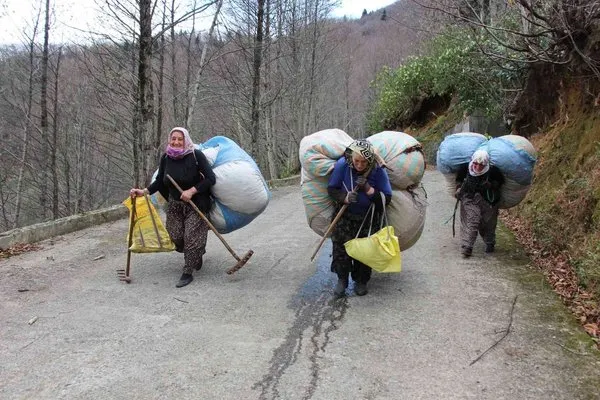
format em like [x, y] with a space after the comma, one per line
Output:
[75, 16]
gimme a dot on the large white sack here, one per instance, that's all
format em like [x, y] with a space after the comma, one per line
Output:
[319, 151]
[318, 205]
[406, 213]
[240, 192]
[402, 153]
[512, 193]
[450, 183]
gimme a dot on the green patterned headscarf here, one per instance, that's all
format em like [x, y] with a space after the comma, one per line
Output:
[362, 147]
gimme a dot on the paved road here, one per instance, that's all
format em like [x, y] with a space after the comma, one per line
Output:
[272, 331]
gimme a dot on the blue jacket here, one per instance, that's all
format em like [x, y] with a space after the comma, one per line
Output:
[343, 180]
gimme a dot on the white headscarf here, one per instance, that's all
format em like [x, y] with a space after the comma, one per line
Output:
[479, 157]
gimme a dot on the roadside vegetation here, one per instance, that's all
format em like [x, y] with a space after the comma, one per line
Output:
[544, 81]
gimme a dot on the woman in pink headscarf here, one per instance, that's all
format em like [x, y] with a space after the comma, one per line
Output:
[192, 172]
[478, 189]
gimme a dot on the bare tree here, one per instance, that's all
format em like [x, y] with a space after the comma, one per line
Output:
[44, 110]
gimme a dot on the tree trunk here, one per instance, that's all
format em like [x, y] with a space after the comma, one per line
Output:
[44, 114]
[26, 128]
[161, 89]
[256, 82]
[145, 94]
[311, 82]
[271, 167]
[194, 94]
[176, 107]
[54, 147]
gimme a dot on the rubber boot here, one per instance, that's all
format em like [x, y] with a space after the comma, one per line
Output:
[185, 280]
[340, 287]
[466, 252]
[360, 289]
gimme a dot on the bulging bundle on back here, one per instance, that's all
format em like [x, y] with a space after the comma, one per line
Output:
[240, 192]
[456, 149]
[318, 154]
[401, 152]
[406, 213]
[514, 156]
[318, 205]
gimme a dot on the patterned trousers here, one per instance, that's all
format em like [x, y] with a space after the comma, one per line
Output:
[188, 232]
[477, 216]
[342, 264]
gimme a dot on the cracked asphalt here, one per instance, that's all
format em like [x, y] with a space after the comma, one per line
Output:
[69, 329]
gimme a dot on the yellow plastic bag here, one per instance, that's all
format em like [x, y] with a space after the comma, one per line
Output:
[379, 251]
[149, 234]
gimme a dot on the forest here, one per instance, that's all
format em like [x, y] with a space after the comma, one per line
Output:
[86, 120]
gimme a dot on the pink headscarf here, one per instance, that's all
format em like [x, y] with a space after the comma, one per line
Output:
[188, 145]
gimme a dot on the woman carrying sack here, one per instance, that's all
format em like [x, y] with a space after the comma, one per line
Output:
[191, 170]
[478, 189]
[356, 181]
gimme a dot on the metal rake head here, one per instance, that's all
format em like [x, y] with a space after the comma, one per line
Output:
[123, 276]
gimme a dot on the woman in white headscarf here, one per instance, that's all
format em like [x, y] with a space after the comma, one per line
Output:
[478, 189]
[192, 172]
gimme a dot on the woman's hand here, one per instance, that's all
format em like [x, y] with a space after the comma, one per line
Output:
[187, 195]
[137, 192]
[351, 197]
[457, 193]
[363, 184]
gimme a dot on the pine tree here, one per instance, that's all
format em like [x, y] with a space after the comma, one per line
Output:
[383, 15]
[364, 14]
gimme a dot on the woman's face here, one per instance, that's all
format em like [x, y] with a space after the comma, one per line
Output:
[359, 162]
[478, 167]
[177, 141]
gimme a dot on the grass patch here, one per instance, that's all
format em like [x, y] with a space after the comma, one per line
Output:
[431, 135]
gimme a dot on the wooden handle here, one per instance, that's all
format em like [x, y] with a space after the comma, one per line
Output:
[210, 225]
[331, 226]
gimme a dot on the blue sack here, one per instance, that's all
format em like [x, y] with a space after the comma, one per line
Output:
[514, 155]
[457, 149]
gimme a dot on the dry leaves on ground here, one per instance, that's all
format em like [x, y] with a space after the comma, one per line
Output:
[18, 249]
[560, 274]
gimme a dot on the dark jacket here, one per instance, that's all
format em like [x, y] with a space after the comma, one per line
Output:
[190, 170]
[488, 184]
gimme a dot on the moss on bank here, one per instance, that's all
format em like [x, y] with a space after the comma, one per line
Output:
[568, 336]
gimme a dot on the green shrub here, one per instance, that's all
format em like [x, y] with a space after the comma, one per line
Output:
[453, 66]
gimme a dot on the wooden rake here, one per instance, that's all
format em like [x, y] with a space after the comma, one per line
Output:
[123, 274]
[240, 261]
